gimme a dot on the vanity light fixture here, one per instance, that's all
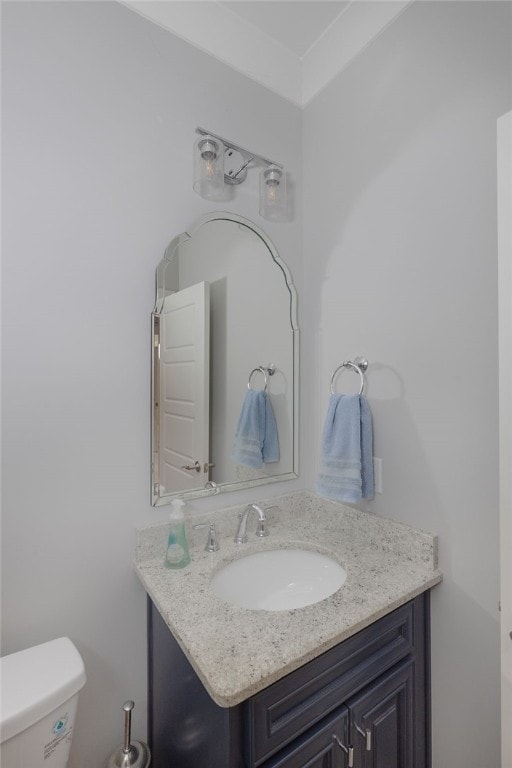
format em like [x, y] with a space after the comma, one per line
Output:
[218, 162]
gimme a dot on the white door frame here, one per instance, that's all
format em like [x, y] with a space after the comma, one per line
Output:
[505, 420]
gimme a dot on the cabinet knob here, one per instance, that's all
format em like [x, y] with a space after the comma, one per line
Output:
[349, 751]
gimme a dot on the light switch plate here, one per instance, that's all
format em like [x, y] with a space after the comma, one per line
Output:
[377, 474]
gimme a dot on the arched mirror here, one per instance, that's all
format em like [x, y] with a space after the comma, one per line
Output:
[224, 362]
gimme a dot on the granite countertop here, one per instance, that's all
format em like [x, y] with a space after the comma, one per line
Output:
[237, 652]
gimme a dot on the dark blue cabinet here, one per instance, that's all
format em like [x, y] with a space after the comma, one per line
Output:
[364, 703]
[373, 730]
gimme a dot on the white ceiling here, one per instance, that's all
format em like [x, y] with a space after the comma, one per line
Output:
[296, 25]
[293, 47]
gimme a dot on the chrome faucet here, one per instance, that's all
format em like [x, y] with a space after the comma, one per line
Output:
[241, 535]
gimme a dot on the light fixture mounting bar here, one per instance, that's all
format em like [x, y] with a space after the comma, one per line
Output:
[238, 148]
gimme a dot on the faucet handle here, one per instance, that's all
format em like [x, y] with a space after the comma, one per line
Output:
[212, 545]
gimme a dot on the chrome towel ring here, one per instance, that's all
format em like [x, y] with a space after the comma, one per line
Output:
[267, 371]
[360, 364]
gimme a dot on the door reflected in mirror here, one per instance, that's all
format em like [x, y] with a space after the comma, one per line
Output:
[225, 362]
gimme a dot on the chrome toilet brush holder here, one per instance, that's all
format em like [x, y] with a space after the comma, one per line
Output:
[132, 754]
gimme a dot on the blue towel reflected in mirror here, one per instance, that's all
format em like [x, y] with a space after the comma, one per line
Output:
[256, 441]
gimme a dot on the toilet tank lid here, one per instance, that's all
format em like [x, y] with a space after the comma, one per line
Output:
[36, 681]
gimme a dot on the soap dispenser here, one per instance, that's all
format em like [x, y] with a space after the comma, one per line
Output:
[177, 555]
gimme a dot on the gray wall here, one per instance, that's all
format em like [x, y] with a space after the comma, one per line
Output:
[99, 112]
[401, 266]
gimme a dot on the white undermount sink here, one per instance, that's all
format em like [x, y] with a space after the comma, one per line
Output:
[278, 579]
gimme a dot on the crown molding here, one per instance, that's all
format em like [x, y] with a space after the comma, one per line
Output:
[250, 51]
[350, 33]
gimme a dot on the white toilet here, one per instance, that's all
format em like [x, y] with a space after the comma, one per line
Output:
[39, 696]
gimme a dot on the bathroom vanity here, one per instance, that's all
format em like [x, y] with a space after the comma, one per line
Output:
[363, 703]
[343, 682]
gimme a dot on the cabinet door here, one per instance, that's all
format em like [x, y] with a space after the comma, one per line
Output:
[381, 721]
[319, 747]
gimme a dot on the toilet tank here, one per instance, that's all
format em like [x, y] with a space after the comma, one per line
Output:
[39, 696]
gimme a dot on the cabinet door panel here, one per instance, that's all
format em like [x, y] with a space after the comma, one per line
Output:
[317, 748]
[382, 721]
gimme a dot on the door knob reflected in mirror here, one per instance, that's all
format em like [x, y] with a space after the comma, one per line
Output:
[196, 466]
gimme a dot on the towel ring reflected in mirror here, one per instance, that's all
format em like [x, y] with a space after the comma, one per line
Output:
[360, 365]
[268, 371]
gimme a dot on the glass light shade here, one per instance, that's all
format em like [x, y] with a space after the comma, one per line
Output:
[273, 203]
[209, 167]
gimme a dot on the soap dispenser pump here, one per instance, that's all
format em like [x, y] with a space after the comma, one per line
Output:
[177, 554]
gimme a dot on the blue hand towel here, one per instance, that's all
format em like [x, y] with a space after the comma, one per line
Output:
[346, 463]
[256, 441]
